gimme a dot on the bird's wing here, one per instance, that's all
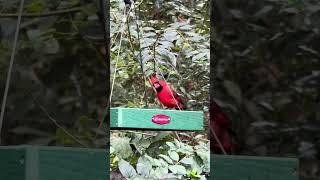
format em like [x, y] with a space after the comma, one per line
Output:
[177, 97]
[219, 116]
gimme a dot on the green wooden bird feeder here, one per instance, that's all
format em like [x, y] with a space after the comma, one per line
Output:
[155, 119]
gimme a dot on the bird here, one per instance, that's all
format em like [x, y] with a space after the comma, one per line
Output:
[220, 125]
[166, 94]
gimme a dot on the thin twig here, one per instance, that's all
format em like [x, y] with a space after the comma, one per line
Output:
[130, 39]
[31, 15]
[5, 95]
[57, 124]
[117, 57]
[177, 135]
[140, 56]
[154, 52]
[218, 141]
[102, 119]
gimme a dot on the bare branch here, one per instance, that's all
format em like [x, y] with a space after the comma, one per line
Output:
[31, 15]
[57, 124]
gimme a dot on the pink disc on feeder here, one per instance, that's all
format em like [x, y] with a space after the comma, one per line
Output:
[161, 119]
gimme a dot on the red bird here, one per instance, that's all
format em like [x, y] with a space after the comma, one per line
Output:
[169, 99]
[220, 124]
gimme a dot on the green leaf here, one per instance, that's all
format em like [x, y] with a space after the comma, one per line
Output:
[21, 130]
[171, 145]
[37, 6]
[160, 172]
[253, 110]
[144, 166]
[309, 50]
[187, 160]
[193, 174]
[233, 90]
[166, 158]
[205, 156]
[263, 11]
[173, 155]
[148, 29]
[178, 169]
[51, 46]
[111, 150]
[137, 178]
[171, 35]
[121, 146]
[166, 44]
[63, 138]
[203, 177]
[33, 35]
[186, 27]
[149, 34]
[146, 58]
[163, 163]
[157, 163]
[126, 169]
[199, 56]
[178, 143]
[186, 149]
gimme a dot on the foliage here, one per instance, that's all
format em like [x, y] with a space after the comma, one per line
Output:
[140, 156]
[181, 50]
[57, 67]
[267, 76]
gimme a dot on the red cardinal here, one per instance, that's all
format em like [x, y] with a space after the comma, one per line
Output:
[220, 124]
[165, 96]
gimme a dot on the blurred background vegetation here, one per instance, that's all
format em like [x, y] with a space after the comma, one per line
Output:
[59, 74]
[267, 77]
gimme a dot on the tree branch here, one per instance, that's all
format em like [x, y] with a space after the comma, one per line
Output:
[43, 109]
[52, 13]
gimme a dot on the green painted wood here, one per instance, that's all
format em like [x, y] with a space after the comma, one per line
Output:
[253, 168]
[56, 163]
[12, 163]
[32, 163]
[79, 164]
[135, 118]
[53, 163]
